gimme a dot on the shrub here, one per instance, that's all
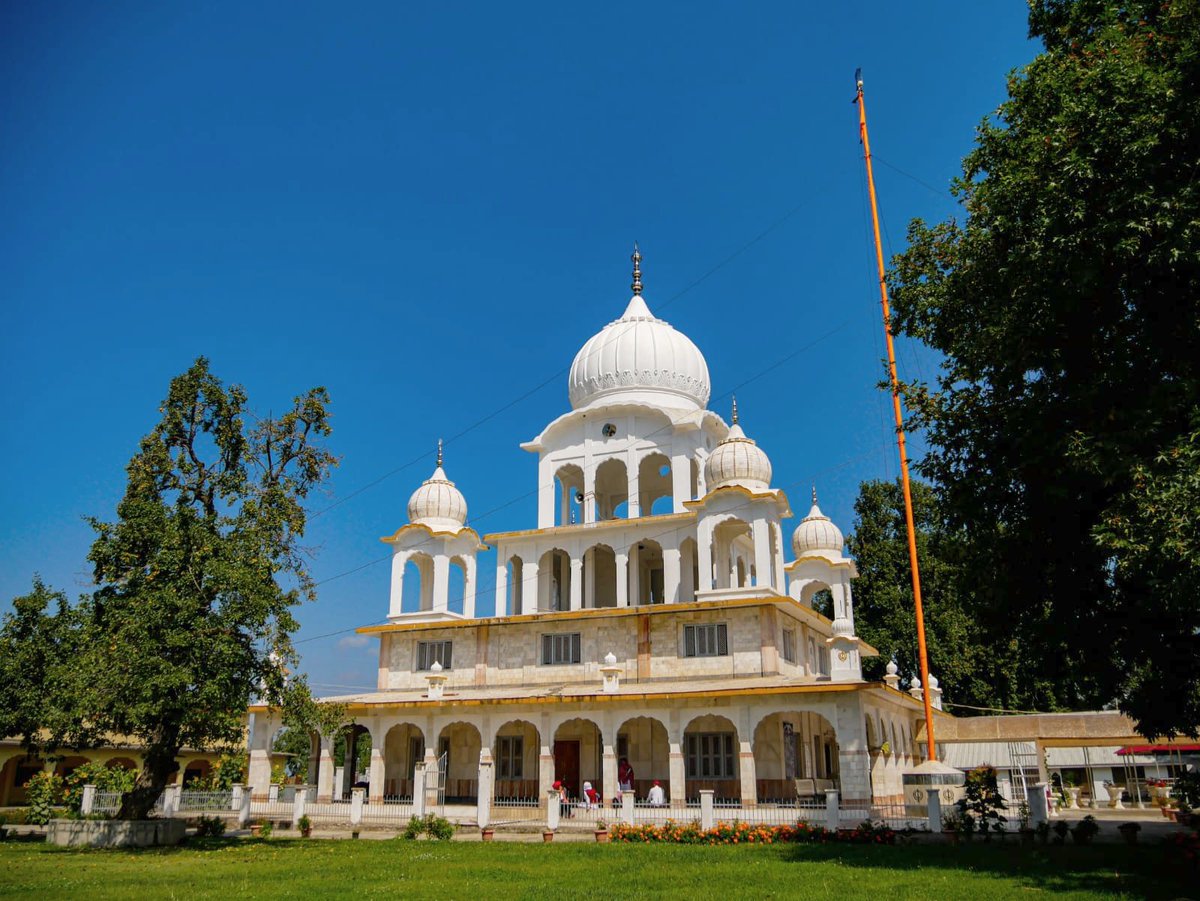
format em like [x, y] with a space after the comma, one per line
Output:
[267, 828]
[105, 778]
[1085, 829]
[982, 802]
[413, 829]
[304, 823]
[439, 827]
[744, 833]
[1187, 790]
[214, 826]
[44, 791]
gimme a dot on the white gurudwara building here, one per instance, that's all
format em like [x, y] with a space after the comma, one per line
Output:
[651, 615]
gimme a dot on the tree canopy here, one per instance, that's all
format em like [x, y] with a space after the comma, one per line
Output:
[196, 579]
[1064, 421]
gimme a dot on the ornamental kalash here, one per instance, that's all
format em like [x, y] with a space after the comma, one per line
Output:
[649, 630]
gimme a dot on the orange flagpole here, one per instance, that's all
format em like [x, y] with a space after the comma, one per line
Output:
[900, 442]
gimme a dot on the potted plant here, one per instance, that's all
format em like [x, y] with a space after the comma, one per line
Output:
[487, 833]
[304, 824]
[601, 832]
[1085, 830]
[1129, 832]
[547, 835]
[256, 828]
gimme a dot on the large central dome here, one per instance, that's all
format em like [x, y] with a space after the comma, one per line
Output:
[639, 358]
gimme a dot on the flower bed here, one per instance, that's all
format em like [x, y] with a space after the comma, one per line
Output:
[749, 834]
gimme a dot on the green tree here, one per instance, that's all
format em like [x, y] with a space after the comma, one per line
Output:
[197, 578]
[967, 668]
[1066, 307]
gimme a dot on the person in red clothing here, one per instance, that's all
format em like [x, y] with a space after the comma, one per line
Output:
[624, 775]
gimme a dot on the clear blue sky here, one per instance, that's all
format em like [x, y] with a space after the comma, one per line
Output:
[428, 208]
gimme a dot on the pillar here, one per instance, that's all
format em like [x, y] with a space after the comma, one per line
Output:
[706, 809]
[634, 502]
[469, 586]
[576, 583]
[608, 766]
[671, 575]
[325, 772]
[622, 579]
[397, 595]
[502, 590]
[441, 583]
[589, 492]
[681, 481]
[377, 772]
[761, 532]
[704, 555]
[483, 812]
[634, 575]
[259, 775]
[530, 595]
[545, 763]
[676, 769]
[589, 577]
[545, 494]
[746, 773]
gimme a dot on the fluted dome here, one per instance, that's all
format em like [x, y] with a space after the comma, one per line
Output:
[737, 461]
[817, 533]
[639, 358]
[438, 504]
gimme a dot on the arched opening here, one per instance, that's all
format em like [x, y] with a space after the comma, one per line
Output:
[15, 776]
[403, 748]
[418, 583]
[642, 741]
[689, 570]
[568, 495]
[351, 760]
[612, 490]
[196, 773]
[711, 758]
[460, 744]
[578, 754]
[600, 577]
[655, 486]
[795, 757]
[554, 580]
[457, 587]
[299, 752]
[515, 762]
[818, 596]
[122, 763]
[516, 586]
[733, 554]
[646, 573]
[68, 765]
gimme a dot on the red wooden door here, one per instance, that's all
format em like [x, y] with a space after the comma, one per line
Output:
[566, 766]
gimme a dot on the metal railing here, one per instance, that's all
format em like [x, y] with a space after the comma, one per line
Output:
[107, 802]
[197, 802]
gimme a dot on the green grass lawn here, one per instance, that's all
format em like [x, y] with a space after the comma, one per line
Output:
[283, 868]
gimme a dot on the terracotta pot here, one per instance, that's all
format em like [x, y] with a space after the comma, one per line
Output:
[602, 836]
[547, 835]
[256, 828]
[487, 834]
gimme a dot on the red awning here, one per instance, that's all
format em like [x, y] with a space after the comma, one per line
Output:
[1159, 749]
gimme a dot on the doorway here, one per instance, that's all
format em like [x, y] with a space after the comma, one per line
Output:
[566, 766]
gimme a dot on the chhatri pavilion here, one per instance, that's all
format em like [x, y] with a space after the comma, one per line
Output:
[652, 614]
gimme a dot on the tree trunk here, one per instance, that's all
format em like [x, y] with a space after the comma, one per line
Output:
[158, 765]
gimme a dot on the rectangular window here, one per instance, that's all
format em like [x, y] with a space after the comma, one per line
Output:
[430, 652]
[710, 756]
[562, 647]
[789, 645]
[510, 753]
[706, 640]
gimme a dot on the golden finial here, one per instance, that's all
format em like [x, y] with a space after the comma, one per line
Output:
[637, 269]
[735, 419]
[439, 463]
[814, 495]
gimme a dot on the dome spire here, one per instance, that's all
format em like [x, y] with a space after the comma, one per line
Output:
[814, 495]
[439, 455]
[734, 415]
[637, 270]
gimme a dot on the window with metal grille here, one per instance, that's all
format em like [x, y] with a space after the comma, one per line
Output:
[710, 756]
[430, 652]
[789, 645]
[706, 640]
[562, 647]
[510, 752]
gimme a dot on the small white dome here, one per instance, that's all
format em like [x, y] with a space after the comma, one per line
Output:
[437, 503]
[891, 668]
[817, 532]
[737, 461]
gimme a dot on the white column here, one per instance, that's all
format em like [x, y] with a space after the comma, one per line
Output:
[483, 805]
[325, 772]
[589, 577]
[681, 481]
[608, 765]
[377, 774]
[747, 774]
[706, 809]
[502, 589]
[298, 803]
[553, 808]
[635, 575]
[704, 559]
[622, 579]
[397, 595]
[676, 770]
[576, 583]
[469, 587]
[762, 552]
[88, 803]
[589, 491]
[441, 583]
[419, 788]
[545, 491]
[671, 577]
[832, 822]
[634, 504]
[259, 775]
[356, 806]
